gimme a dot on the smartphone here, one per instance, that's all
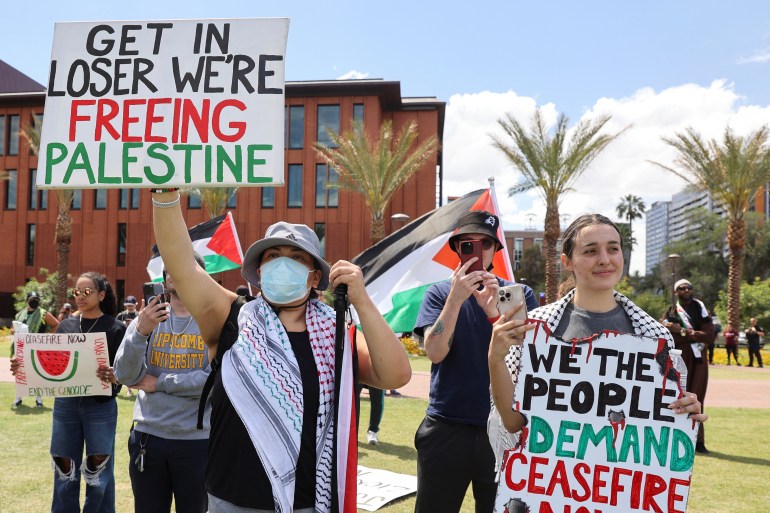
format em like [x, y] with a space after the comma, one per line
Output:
[152, 289]
[468, 250]
[510, 296]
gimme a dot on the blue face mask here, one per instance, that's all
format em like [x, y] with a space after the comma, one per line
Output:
[283, 280]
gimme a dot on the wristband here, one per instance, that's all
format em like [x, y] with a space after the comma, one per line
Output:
[493, 320]
[161, 191]
[166, 204]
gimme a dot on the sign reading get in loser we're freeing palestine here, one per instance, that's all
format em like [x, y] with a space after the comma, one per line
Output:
[600, 437]
[193, 103]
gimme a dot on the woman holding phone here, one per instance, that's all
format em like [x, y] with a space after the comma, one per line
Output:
[592, 250]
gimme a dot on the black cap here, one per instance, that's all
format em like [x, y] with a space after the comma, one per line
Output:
[477, 221]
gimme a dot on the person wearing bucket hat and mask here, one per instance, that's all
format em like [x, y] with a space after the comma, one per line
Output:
[38, 320]
[272, 423]
[455, 320]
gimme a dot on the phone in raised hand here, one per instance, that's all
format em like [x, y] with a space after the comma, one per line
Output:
[468, 250]
[510, 296]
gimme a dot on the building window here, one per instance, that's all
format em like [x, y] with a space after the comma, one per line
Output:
[32, 190]
[10, 189]
[193, 201]
[268, 197]
[2, 136]
[121, 244]
[326, 196]
[100, 199]
[294, 187]
[358, 113]
[328, 120]
[13, 134]
[296, 127]
[129, 198]
[30, 244]
[77, 199]
[232, 201]
[538, 242]
[120, 290]
[518, 252]
[320, 231]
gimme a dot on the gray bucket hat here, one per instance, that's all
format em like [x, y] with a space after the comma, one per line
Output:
[285, 234]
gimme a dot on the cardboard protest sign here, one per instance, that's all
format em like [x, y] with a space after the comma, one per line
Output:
[61, 364]
[599, 436]
[193, 103]
[378, 487]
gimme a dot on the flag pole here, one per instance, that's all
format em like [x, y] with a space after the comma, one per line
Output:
[501, 236]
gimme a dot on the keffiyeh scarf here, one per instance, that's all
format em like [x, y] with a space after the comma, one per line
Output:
[262, 379]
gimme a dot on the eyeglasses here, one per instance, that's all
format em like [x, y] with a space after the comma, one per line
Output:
[485, 243]
[684, 287]
[86, 292]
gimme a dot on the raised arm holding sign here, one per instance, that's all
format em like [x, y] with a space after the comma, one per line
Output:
[599, 418]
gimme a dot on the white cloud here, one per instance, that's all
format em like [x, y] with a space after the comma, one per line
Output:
[760, 57]
[353, 75]
[624, 167]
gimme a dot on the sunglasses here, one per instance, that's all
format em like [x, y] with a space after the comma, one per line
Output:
[684, 287]
[86, 292]
[485, 243]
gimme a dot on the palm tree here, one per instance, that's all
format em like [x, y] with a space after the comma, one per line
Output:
[215, 199]
[732, 171]
[63, 233]
[551, 163]
[630, 207]
[376, 168]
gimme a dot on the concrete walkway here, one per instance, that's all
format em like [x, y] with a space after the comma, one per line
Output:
[733, 393]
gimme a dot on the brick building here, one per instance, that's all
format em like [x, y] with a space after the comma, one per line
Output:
[112, 229]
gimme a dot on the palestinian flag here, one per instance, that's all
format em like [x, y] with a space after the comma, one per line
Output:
[215, 240]
[399, 269]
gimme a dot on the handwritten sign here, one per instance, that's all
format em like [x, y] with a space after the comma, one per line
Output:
[195, 103]
[378, 487]
[599, 437]
[61, 364]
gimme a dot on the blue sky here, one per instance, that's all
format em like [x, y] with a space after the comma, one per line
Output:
[658, 66]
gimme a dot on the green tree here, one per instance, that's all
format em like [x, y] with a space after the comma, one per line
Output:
[551, 162]
[755, 302]
[533, 268]
[630, 207]
[213, 199]
[46, 289]
[63, 230]
[376, 168]
[732, 171]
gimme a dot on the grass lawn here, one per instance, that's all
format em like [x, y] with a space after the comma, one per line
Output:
[733, 478]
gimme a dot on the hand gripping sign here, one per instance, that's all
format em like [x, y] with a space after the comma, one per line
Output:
[599, 436]
[193, 103]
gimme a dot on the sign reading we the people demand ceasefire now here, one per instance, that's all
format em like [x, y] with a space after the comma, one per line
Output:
[61, 364]
[194, 103]
[600, 437]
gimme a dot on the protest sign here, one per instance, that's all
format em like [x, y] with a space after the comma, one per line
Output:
[378, 487]
[61, 364]
[193, 103]
[599, 437]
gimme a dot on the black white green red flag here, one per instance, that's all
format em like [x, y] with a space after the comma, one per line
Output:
[215, 240]
[399, 269]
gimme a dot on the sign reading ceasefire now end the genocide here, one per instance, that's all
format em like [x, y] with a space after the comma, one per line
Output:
[600, 437]
[194, 103]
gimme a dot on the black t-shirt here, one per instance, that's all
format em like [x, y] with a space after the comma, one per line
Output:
[113, 328]
[752, 337]
[234, 472]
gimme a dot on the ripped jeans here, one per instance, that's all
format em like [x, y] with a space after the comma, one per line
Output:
[79, 421]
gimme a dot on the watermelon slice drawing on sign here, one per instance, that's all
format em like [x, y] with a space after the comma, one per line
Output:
[54, 365]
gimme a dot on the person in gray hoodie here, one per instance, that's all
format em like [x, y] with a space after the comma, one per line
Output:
[164, 357]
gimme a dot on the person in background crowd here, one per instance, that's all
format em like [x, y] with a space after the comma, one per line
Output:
[65, 312]
[731, 343]
[753, 334]
[693, 330]
[455, 319]
[592, 250]
[88, 421]
[38, 320]
[164, 357]
[130, 313]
